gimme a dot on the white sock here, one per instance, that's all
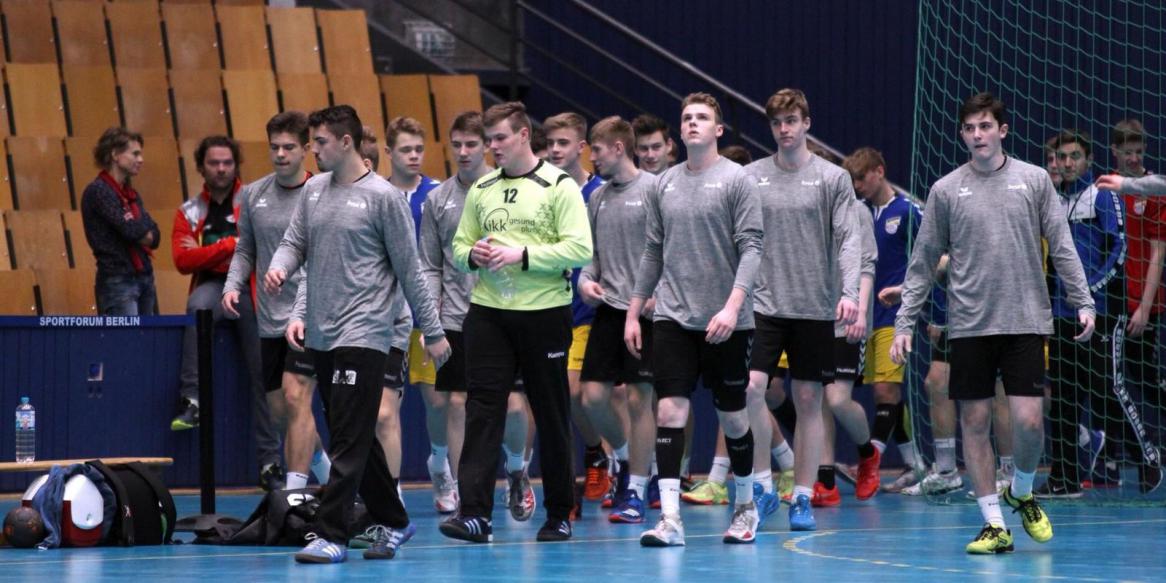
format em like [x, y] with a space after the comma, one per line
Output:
[1021, 483]
[882, 447]
[945, 454]
[296, 480]
[784, 455]
[720, 471]
[621, 452]
[670, 496]
[744, 487]
[514, 461]
[907, 450]
[765, 478]
[321, 466]
[806, 491]
[638, 484]
[990, 509]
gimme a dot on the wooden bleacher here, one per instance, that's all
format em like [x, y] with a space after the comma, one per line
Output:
[244, 37]
[38, 239]
[145, 101]
[136, 30]
[252, 98]
[19, 297]
[82, 44]
[40, 181]
[198, 103]
[191, 39]
[29, 30]
[37, 107]
[91, 92]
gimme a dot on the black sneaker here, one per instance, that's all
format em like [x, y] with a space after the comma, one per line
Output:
[1056, 489]
[187, 418]
[1150, 474]
[474, 529]
[687, 484]
[271, 477]
[554, 531]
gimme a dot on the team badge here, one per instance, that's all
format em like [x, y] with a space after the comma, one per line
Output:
[892, 225]
[1139, 207]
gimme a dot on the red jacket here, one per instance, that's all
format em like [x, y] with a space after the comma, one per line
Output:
[190, 256]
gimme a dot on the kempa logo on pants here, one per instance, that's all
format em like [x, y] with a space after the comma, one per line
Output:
[344, 377]
[556, 354]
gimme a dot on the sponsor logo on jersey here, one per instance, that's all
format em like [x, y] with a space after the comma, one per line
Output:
[964, 191]
[633, 203]
[1017, 187]
[714, 185]
[261, 203]
[496, 221]
[670, 187]
[892, 225]
[356, 205]
[764, 181]
[811, 183]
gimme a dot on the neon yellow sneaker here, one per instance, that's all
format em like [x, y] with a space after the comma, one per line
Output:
[785, 486]
[1036, 522]
[707, 493]
[991, 540]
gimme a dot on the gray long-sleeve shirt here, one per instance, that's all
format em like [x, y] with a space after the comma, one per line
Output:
[805, 212]
[439, 221]
[264, 214]
[991, 225]
[870, 257]
[617, 216]
[1150, 184]
[703, 239]
[402, 323]
[358, 244]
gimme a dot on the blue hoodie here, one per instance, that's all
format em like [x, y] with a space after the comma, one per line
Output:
[1097, 223]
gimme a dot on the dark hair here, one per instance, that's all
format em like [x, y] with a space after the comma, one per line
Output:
[647, 124]
[368, 146]
[737, 154]
[538, 139]
[217, 142]
[112, 142]
[341, 120]
[983, 102]
[1127, 130]
[512, 111]
[787, 100]
[289, 122]
[470, 122]
[1070, 136]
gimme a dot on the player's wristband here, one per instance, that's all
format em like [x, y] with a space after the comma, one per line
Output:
[525, 259]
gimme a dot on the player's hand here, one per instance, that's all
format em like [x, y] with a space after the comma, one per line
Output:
[847, 312]
[856, 332]
[1088, 322]
[295, 335]
[1138, 322]
[889, 296]
[480, 252]
[591, 292]
[273, 281]
[502, 256]
[900, 348]
[438, 351]
[1111, 182]
[230, 300]
[934, 332]
[720, 327]
[649, 308]
[632, 336]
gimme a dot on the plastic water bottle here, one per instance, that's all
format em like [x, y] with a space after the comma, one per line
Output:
[25, 432]
[504, 281]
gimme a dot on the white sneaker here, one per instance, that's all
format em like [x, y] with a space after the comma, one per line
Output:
[445, 496]
[669, 532]
[1003, 481]
[743, 526]
[909, 477]
[935, 483]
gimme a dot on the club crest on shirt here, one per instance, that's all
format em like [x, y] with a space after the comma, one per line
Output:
[892, 225]
[1140, 207]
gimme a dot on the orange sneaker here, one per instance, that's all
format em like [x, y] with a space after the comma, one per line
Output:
[867, 483]
[824, 498]
[598, 482]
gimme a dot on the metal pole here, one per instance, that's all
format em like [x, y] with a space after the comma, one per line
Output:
[204, 328]
[513, 50]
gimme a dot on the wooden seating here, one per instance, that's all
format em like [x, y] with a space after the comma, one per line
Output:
[37, 108]
[19, 297]
[75, 239]
[293, 40]
[29, 31]
[453, 94]
[362, 92]
[68, 291]
[136, 29]
[6, 202]
[40, 180]
[305, 92]
[198, 103]
[163, 215]
[344, 36]
[244, 32]
[91, 93]
[5, 254]
[191, 39]
[252, 99]
[173, 289]
[145, 99]
[82, 43]
[256, 160]
[194, 181]
[408, 95]
[38, 239]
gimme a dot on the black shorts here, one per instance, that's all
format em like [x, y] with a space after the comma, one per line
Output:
[682, 357]
[607, 359]
[941, 349]
[451, 376]
[396, 369]
[849, 360]
[277, 357]
[1019, 358]
[808, 345]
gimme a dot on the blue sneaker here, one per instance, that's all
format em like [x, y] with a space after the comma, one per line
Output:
[801, 516]
[387, 541]
[629, 511]
[767, 503]
[619, 486]
[322, 551]
[654, 493]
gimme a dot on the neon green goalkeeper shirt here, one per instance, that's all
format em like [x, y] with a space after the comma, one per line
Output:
[541, 211]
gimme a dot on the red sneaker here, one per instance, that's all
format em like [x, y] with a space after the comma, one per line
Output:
[824, 498]
[598, 482]
[867, 484]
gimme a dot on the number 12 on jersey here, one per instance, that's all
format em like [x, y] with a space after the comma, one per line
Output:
[510, 195]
